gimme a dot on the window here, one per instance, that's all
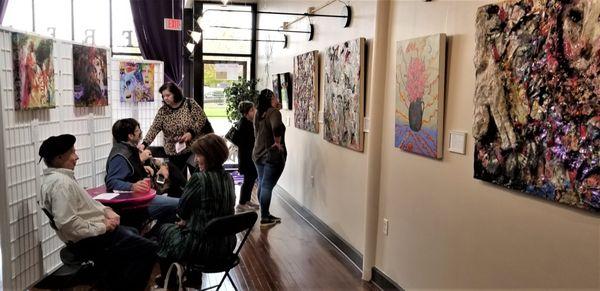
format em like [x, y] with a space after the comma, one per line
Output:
[91, 20]
[219, 37]
[56, 24]
[19, 15]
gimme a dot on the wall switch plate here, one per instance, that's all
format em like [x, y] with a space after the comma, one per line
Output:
[367, 124]
[458, 141]
[386, 224]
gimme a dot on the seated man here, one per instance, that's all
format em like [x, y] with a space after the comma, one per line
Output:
[90, 229]
[125, 169]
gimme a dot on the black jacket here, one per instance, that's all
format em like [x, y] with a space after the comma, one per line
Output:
[245, 146]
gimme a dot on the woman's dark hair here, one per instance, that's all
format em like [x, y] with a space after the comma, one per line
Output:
[244, 107]
[264, 102]
[214, 150]
[177, 94]
[123, 128]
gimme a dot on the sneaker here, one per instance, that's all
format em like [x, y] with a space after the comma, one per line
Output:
[244, 208]
[253, 205]
[274, 218]
[267, 222]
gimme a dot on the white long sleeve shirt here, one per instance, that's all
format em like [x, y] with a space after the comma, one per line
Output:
[76, 214]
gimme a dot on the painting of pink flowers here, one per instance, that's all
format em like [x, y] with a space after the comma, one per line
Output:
[420, 71]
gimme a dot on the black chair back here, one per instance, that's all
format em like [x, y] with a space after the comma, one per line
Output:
[50, 218]
[230, 225]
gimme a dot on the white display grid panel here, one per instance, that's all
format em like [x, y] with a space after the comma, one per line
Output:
[33, 247]
[143, 112]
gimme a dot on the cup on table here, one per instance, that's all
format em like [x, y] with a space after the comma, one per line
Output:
[148, 182]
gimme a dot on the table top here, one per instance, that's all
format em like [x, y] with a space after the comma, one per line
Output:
[124, 198]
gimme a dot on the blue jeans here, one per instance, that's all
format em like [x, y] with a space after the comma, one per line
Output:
[163, 208]
[268, 175]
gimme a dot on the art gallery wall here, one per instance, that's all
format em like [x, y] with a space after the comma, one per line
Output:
[446, 229]
[450, 231]
[337, 195]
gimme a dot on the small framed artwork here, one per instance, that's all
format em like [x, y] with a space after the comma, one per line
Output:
[286, 90]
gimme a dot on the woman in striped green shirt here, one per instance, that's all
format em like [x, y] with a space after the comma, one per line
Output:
[209, 194]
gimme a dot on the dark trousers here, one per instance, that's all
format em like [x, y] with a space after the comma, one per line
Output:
[123, 259]
[181, 163]
[250, 176]
[268, 175]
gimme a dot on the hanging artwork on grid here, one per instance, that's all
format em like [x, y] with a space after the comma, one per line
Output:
[90, 88]
[286, 90]
[343, 105]
[276, 86]
[537, 112]
[306, 91]
[33, 68]
[136, 82]
[420, 75]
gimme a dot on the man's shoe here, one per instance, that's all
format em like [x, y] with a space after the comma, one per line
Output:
[274, 218]
[267, 222]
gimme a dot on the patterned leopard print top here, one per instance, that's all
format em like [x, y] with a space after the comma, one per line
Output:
[174, 122]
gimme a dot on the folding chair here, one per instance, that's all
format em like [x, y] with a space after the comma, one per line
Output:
[223, 227]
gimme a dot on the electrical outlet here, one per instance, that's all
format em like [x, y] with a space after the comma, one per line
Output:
[386, 225]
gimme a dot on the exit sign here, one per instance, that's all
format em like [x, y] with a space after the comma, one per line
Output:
[172, 24]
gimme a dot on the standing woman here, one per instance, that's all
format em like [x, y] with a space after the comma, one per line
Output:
[245, 143]
[269, 153]
[181, 120]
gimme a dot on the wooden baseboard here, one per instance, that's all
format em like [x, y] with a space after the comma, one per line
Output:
[383, 281]
[353, 255]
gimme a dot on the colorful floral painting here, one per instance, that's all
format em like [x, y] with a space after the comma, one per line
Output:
[537, 111]
[306, 91]
[420, 72]
[286, 90]
[136, 82]
[33, 70]
[90, 88]
[343, 104]
[276, 86]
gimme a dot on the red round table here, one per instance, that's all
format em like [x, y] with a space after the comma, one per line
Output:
[125, 199]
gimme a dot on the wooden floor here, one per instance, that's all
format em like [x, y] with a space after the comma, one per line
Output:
[289, 256]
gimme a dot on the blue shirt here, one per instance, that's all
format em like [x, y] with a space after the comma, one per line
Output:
[116, 176]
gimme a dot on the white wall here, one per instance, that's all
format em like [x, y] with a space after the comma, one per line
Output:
[338, 194]
[448, 230]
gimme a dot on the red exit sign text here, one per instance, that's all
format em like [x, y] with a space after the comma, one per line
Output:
[172, 24]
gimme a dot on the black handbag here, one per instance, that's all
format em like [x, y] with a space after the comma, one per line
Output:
[233, 135]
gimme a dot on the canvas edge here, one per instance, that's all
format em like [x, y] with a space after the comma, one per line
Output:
[441, 95]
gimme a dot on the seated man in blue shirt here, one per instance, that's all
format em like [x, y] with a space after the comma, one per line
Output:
[125, 170]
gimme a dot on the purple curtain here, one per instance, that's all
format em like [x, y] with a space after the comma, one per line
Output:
[3, 4]
[155, 42]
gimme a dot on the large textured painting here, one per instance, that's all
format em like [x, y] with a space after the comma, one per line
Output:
[537, 118]
[420, 72]
[286, 90]
[306, 91]
[136, 82]
[90, 74]
[33, 70]
[344, 93]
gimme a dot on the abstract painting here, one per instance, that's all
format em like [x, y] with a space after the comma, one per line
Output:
[90, 88]
[276, 86]
[420, 75]
[286, 90]
[343, 103]
[33, 68]
[136, 82]
[306, 91]
[537, 112]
